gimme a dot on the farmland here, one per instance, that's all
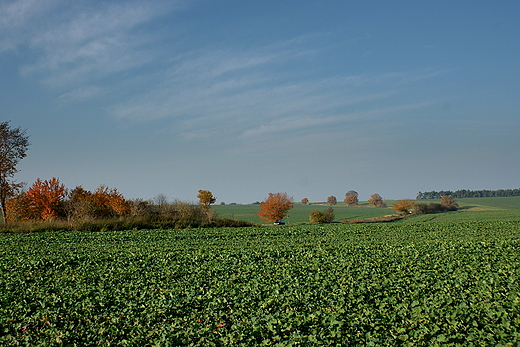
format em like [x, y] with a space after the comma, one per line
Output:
[415, 282]
[300, 213]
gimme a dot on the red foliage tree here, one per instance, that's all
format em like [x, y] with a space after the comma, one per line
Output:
[275, 207]
[45, 197]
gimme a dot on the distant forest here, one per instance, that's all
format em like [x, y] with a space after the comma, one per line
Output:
[465, 193]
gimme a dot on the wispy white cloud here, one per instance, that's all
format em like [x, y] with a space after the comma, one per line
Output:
[256, 92]
[259, 89]
[76, 42]
[18, 12]
[288, 124]
[19, 19]
[314, 123]
[81, 93]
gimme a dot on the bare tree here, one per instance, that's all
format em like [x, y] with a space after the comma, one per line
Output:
[13, 146]
[160, 200]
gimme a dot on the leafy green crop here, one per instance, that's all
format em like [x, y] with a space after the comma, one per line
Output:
[426, 284]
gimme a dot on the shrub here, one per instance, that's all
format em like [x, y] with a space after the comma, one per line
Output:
[316, 216]
[419, 208]
[403, 205]
[327, 216]
[450, 202]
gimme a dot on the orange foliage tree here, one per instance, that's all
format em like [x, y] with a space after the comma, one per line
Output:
[45, 197]
[275, 207]
[351, 198]
[376, 200]
[403, 205]
[18, 208]
[206, 198]
[305, 201]
[109, 202]
[331, 200]
[448, 200]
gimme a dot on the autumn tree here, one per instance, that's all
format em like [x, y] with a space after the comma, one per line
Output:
[316, 216]
[305, 201]
[13, 147]
[108, 202]
[449, 201]
[403, 205]
[45, 198]
[376, 200]
[80, 204]
[331, 200]
[351, 198]
[326, 216]
[206, 198]
[18, 208]
[275, 207]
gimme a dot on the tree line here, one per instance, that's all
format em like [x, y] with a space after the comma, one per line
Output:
[50, 200]
[466, 193]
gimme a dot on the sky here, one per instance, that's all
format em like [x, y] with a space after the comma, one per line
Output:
[244, 98]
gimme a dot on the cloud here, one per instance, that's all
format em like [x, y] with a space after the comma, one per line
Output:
[315, 123]
[81, 94]
[18, 20]
[288, 124]
[14, 14]
[212, 91]
[77, 43]
[257, 92]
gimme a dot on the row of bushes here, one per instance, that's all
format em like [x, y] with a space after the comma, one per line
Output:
[402, 207]
[420, 208]
[176, 215]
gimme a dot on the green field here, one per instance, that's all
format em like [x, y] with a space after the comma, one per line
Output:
[300, 213]
[413, 283]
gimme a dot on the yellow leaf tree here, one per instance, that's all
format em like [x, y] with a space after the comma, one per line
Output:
[206, 198]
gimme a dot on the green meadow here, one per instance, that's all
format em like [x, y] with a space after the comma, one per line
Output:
[300, 213]
[486, 207]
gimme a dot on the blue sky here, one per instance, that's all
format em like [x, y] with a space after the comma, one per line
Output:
[243, 98]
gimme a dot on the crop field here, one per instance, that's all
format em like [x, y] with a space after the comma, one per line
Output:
[409, 284]
[300, 213]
